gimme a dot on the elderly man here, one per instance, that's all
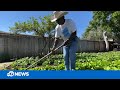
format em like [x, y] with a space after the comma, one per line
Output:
[66, 30]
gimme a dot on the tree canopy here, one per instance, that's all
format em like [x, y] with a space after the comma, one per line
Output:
[103, 21]
[40, 26]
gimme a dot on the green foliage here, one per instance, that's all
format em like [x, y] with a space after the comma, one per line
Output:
[85, 61]
[40, 26]
[105, 20]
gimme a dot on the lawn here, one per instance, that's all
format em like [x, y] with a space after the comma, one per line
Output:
[85, 61]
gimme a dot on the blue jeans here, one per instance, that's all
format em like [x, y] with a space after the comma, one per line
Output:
[69, 53]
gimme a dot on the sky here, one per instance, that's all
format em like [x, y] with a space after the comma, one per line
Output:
[8, 18]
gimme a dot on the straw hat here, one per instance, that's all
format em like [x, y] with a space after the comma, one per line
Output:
[57, 14]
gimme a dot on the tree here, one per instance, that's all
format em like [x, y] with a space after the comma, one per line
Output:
[93, 34]
[38, 27]
[41, 27]
[107, 21]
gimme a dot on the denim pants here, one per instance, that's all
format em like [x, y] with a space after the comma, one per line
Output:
[69, 53]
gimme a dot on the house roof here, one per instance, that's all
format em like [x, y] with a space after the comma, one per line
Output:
[17, 35]
[8, 33]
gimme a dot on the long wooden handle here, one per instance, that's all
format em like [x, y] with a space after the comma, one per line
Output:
[45, 56]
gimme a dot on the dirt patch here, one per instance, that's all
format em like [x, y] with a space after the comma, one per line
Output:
[4, 65]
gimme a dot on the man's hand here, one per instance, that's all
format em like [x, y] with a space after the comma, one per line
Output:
[67, 42]
[73, 36]
[54, 45]
[52, 49]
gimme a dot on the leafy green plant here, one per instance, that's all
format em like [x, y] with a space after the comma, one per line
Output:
[85, 61]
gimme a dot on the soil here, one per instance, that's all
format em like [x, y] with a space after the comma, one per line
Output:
[4, 65]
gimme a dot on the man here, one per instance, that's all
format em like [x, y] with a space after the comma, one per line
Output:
[66, 30]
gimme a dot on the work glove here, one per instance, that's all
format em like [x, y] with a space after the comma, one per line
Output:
[67, 42]
[52, 49]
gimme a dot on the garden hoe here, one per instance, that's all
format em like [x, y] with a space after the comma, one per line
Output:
[45, 56]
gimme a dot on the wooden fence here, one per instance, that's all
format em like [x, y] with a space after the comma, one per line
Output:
[18, 46]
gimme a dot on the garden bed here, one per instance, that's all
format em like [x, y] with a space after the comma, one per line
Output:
[85, 61]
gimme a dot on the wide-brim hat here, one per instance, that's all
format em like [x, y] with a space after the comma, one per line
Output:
[57, 14]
